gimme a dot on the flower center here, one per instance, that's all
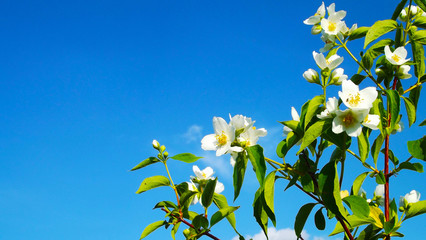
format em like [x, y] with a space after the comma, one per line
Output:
[354, 100]
[222, 138]
[366, 119]
[348, 120]
[331, 27]
[204, 175]
[396, 58]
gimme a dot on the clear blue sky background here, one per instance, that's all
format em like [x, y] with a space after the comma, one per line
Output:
[86, 85]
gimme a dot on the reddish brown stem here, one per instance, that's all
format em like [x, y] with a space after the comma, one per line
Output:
[180, 219]
[346, 228]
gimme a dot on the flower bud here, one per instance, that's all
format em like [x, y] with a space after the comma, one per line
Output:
[160, 156]
[166, 154]
[162, 148]
[403, 15]
[155, 144]
[403, 72]
[380, 72]
[337, 76]
[311, 76]
[413, 10]
[316, 29]
[186, 233]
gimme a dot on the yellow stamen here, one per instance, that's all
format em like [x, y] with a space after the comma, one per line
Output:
[366, 119]
[348, 120]
[396, 58]
[354, 100]
[222, 138]
[331, 27]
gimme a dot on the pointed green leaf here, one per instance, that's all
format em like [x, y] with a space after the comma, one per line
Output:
[363, 145]
[186, 198]
[221, 203]
[418, 167]
[313, 132]
[167, 204]
[394, 104]
[259, 211]
[207, 196]
[239, 172]
[398, 9]
[411, 110]
[377, 145]
[380, 178]
[200, 221]
[423, 123]
[421, 4]
[175, 229]
[186, 157]
[358, 33]
[301, 218]
[358, 205]
[255, 154]
[416, 209]
[374, 51]
[378, 29]
[415, 96]
[417, 148]
[354, 221]
[153, 182]
[151, 228]
[222, 213]
[418, 55]
[420, 22]
[269, 189]
[313, 105]
[356, 187]
[145, 163]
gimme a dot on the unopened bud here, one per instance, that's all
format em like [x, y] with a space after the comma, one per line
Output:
[160, 156]
[337, 76]
[155, 144]
[403, 15]
[311, 76]
[316, 29]
[162, 148]
[186, 232]
[166, 154]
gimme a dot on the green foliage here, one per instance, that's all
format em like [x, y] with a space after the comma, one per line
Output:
[152, 227]
[378, 29]
[153, 182]
[358, 33]
[186, 157]
[312, 110]
[363, 145]
[208, 193]
[222, 213]
[417, 148]
[416, 209]
[144, 163]
[255, 154]
[394, 103]
[239, 172]
[313, 132]
[411, 110]
[301, 218]
[358, 205]
[320, 219]
[398, 9]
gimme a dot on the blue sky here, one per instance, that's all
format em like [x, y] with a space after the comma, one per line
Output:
[86, 85]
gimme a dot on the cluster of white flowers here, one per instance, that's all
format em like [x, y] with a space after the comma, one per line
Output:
[329, 27]
[200, 176]
[326, 64]
[359, 104]
[398, 58]
[233, 137]
[414, 12]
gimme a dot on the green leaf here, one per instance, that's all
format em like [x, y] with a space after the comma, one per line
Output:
[377, 145]
[313, 132]
[392, 157]
[421, 4]
[269, 189]
[186, 198]
[328, 182]
[153, 182]
[411, 110]
[239, 172]
[357, 78]
[255, 154]
[222, 213]
[358, 183]
[354, 221]
[313, 105]
[337, 139]
[167, 204]
[301, 218]
[417, 148]
[292, 124]
[358, 205]
[418, 55]
[415, 95]
[418, 167]
[369, 233]
[420, 22]
[319, 220]
[207, 196]
[363, 145]
[419, 37]
[423, 123]
[221, 203]
[358, 33]
[380, 178]
[416, 209]
[374, 51]
[175, 229]
[151, 228]
[186, 157]
[200, 221]
[259, 211]
[378, 29]
[398, 9]
[394, 102]
[145, 163]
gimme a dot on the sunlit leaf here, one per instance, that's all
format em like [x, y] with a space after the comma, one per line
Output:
[207, 196]
[417, 148]
[145, 163]
[378, 29]
[153, 182]
[152, 227]
[186, 157]
[416, 209]
[255, 154]
[222, 213]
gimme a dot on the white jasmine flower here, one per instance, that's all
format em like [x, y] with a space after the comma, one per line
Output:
[295, 117]
[233, 160]
[193, 187]
[398, 128]
[221, 140]
[349, 121]
[331, 63]
[397, 57]
[241, 122]
[411, 197]
[403, 72]
[331, 106]
[352, 29]
[372, 121]
[333, 24]
[316, 18]
[355, 99]
[155, 144]
[311, 76]
[379, 193]
[337, 76]
[250, 137]
[207, 174]
[219, 187]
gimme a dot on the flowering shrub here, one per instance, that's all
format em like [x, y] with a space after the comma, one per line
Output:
[334, 122]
